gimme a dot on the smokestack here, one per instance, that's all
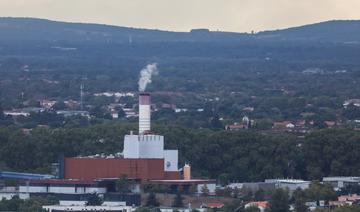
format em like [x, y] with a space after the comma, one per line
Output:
[187, 172]
[144, 113]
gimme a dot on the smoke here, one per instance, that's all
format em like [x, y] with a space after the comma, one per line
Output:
[146, 74]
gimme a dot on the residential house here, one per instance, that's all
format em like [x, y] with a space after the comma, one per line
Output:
[261, 205]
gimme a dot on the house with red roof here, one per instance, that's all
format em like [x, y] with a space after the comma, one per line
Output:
[262, 205]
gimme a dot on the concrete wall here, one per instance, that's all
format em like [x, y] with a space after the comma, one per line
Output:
[211, 187]
[61, 189]
[95, 190]
[171, 160]
[7, 195]
[151, 146]
[143, 146]
[95, 168]
[131, 146]
[33, 189]
[86, 208]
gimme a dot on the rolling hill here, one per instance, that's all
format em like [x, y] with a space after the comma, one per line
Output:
[31, 29]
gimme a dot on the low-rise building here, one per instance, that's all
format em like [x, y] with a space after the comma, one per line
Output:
[345, 200]
[341, 182]
[70, 113]
[16, 113]
[47, 103]
[79, 208]
[261, 205]
[283, 124]
[291, 184]
[235, 127]
[355, 102]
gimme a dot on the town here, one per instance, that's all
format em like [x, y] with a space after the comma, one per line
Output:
[179, 106]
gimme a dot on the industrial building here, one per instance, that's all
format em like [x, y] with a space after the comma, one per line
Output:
[144, 157]
[342, 182]
[82, 207]
[144, 160]
[290, 184]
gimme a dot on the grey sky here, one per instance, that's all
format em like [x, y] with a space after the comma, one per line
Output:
[183, 15]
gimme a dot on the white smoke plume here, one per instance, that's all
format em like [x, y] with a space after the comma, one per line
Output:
[146, 75]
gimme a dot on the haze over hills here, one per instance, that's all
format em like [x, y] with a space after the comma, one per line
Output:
[31, 29]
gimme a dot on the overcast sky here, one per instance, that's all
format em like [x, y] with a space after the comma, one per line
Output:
[183, 15]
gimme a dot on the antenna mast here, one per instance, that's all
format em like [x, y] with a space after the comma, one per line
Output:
[81, 96]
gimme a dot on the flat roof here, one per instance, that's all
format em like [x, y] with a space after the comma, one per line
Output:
[61, 182]
[183, 182]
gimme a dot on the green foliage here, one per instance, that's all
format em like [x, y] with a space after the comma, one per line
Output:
[2, 115]
[155, 188]
[10, 205]
[204, 190]
[353, 208]
[279, 201]
[234, 205]
[178, 201]
[123, 184]
[152, 201]
[332, 153]
[243, 156]
[29, 205]
[142, 209]
[94, 200]
[352, 112]
[318, 191]
[299, 197]
[259, 195]
[252, 209]
[350, 189]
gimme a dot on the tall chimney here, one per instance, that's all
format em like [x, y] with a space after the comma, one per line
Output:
[187, 172]
[144, 113]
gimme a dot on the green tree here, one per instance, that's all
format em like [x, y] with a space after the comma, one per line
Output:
[234, 205]
[121, 113]
[205, 190]
[347, 208]
[215, 123]
[60, 105]
[252, 209]
[318, 191]
[178, 201]
[11, 205]
[299, 197]
[2, 116]
[142, 209]
[123, 184]
[152, 201]
[30, 205]
[94, 199]
[259, 195]
[279, 201]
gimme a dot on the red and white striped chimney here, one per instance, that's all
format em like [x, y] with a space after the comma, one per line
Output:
[144, 113]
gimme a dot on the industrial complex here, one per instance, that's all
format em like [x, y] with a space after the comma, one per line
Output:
[144, 160]
[144, 157]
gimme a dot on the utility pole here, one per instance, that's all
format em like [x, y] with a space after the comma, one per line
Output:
[81, 96]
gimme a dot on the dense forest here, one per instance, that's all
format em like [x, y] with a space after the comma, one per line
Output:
[235, 156]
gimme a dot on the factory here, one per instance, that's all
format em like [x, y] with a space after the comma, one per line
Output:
[144, 160]
[144, 157]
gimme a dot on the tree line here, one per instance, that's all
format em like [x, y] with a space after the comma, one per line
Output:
[229, 156]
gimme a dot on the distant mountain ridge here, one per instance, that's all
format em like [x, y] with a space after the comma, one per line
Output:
[32, 29]
[46, 30]
[329, 31]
